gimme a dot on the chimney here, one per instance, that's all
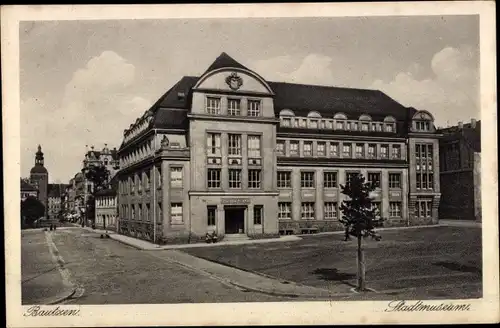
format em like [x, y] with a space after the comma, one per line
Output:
[460, 125]
[473, 123]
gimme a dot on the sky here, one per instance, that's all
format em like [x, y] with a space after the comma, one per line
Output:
[84, 82]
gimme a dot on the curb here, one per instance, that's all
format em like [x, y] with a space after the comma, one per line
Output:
[59, 298]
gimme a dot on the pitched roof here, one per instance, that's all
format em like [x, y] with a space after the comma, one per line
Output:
[471, 135]
[26, 186]
[39, 169]
[223, 61]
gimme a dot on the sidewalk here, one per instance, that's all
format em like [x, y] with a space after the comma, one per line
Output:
[252, 281]
[42, 281]
[147, 246]
[461, 223]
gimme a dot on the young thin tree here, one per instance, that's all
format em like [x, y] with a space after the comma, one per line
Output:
[359, 218]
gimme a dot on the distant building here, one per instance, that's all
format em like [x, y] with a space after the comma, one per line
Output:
[106, 210]
[27, 190]
[39, 178]
[460, 171]
[231, 153]
[55, 200]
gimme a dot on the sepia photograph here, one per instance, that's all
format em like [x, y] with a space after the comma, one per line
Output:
[257, 161]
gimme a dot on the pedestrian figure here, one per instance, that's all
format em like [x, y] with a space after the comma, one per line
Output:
[347, 237]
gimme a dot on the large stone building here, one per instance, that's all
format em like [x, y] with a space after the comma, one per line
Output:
[460, 171]
[233, 153]
[27, 190]
[39, 178]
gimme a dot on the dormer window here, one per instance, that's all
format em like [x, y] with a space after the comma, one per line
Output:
[286, 122]
[339, 121]
[313, 124]
[389, 124]
[422, 121]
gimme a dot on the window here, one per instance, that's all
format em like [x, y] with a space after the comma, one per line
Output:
[419, 180]
[253, 179]
[257, 214]
[307, 179]
[213, 178]
[280, 147]
[313, 124]
[372, 151]
[395, 209]
[330, 179]
[365, 127]
[334, 149]
[213, 105]
[234, 178]
[303, 123]
[284, 210]
[360, 151]
[253, 107]
[396, 151]
[286, 122]
[321, 149]
[284, 179]
[253, 146]
[394, 180]
[354, 126]
[346, 151]
[234, 141]
[307, 211]
[378, 208]
[139, 212]
[233, 107]
[160, 180]
[211, 212]
[430, 184]
[384, 151]
[423, 208]
[389, 127]
[148, 212]
[176, 177]
[139, 182]
[307, 148]
[176, 213]
[349, 176]
[374, 179]
[294, 148]
[331, 212]
[147, 179]
[213, 144]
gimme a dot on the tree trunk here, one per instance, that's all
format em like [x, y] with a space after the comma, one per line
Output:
[361, 266]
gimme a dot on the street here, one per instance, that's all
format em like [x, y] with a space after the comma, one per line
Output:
[112, 273]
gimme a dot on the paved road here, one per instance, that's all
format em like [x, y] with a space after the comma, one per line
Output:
[113, 273]
[425, 263]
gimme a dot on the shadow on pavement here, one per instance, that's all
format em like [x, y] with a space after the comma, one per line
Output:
[459, 267]
[334, 275]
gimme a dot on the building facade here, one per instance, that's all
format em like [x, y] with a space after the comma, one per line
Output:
[55, 200]
[106, 207]
[39, 178]
[231, 153]
[27, 190]
[460, 174]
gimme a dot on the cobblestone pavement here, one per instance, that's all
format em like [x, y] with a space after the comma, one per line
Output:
[113, 273]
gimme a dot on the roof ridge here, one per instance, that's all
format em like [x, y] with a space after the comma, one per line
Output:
[324, 86]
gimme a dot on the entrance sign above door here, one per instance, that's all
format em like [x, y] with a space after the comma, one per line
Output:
[235, 201]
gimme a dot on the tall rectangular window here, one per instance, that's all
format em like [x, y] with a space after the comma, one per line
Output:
[176, 177]
[253, 146]
[176, 213]
[139, 182]
[213, 178]
[395, 209]
[334, 149]
[330, 179]
[284, 179]
[360, 150]
[233, 107]
[307, 210]
[147, 179]
[234, 146]
[349, 176]
[211, 214]
[258, 213]
[394, 180]
[213, 144]
[284, 210]
[372, 151]
[307, 179]
[384, 151]
[234, 178]
[307, 148]
[213, 105]
[331, 212]
[159, 182]
[365, 126]
[374, 179]
[253, 108]
[321, 149]
[396, 151]
[346, 151]
[294, 148]
[280, 147]
[254, 179]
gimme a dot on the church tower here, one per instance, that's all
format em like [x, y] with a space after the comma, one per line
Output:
[39, 178]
